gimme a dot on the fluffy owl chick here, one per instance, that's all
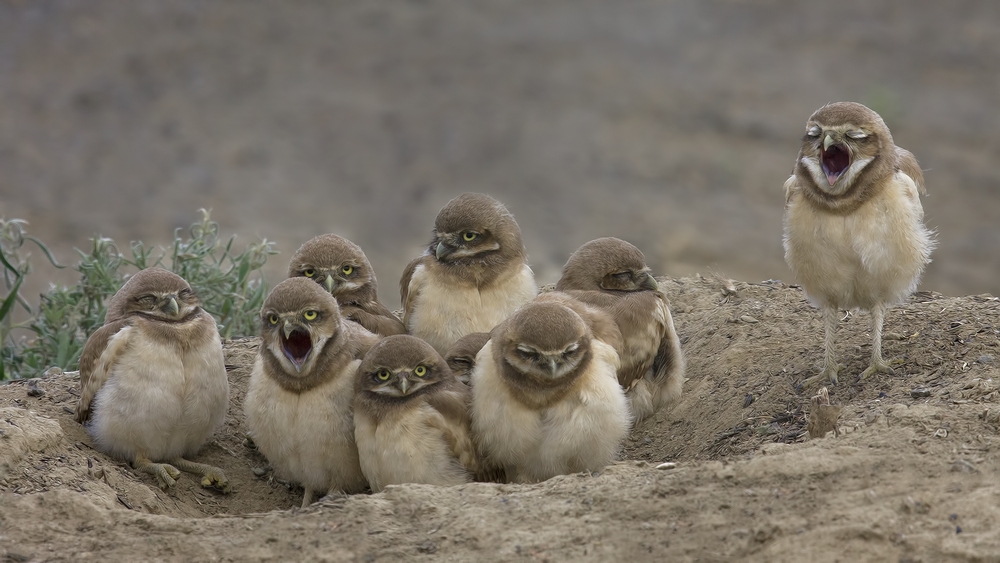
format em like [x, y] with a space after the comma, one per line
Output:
[411, 417]
[298, 403]
[612, 275]
[854, 233]
[342, 268]
[545, 395]
[153, 383]
[461, 357]
[472, 276]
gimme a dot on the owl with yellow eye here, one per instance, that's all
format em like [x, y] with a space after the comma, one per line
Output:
[411, 417]
[298, 402]
[341, 268]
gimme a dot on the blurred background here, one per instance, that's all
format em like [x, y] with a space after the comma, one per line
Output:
[670, 124]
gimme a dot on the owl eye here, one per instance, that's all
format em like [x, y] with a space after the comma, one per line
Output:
[347, 270]
[272, 318]
[310, 315]
[857, 134]
[382, 375]
[469, 236]
[813, 131]
[309, 272]
[420, 371]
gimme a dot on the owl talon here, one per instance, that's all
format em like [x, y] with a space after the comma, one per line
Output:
[878, 366]
[217, 480]
[166, 474]
[829, 373]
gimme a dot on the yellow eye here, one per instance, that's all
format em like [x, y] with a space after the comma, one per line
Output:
[420, 371]
[273, 319]
[309, 272]
[310, 315]
[347, 270]
[383, 375]
[469, 236]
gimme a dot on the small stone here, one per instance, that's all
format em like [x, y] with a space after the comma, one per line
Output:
[666, 465]
[920, 392]
[748, 319]
[985, 359]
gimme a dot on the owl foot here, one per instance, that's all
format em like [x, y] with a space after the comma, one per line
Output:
[165, 473]
[878, 366]
[829, 373]
[211, 477]
[307, 497]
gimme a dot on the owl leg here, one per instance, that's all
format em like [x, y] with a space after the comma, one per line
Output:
[307, 497]
[165, 473]
[878, 364]
[210, 476]
[830, 367]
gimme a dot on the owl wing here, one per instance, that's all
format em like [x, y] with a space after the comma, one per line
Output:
[409, 288]
[98, 357]
[668, 366]
[791, 189]
[375, 317]
[360, 340]
[907, 163]
[452, 403]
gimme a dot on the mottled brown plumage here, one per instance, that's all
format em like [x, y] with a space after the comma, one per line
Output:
[411, 417]
[472, 276]
[298, 403]
[853, 229]
[611, 274]
[153, 384]
[341, 267]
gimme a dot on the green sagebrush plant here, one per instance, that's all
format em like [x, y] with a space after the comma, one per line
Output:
[229, 284]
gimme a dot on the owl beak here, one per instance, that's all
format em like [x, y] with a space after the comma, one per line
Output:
[648, 282]
[289, 327]
[329, 283]
[443, 251]
[835, 159]
[296, 344]
[553, 366]
[170, 306]
[404, 382]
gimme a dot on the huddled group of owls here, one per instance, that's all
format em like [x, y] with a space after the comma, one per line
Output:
[483, 377]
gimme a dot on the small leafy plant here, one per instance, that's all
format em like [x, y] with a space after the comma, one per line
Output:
[230, 286]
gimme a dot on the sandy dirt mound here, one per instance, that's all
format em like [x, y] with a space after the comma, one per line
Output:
[912, 476]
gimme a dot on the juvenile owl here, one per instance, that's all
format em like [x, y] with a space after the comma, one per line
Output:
[153, 384]
[472, 276]
[854, 231]
[461, 357]
[411, 417]
[342, 268]
[611, 274]
[545, 394]
[298, 402]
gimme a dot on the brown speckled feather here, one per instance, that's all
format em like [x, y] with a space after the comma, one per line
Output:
[92, 376]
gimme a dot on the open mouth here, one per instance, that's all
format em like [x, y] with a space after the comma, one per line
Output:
[297, 347]
[834, 161]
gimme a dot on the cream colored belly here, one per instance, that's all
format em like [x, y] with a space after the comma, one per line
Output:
[581, 432]
[159, 403]
[874, 255]
[441, 315]
[406, 449]
[307, 437]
